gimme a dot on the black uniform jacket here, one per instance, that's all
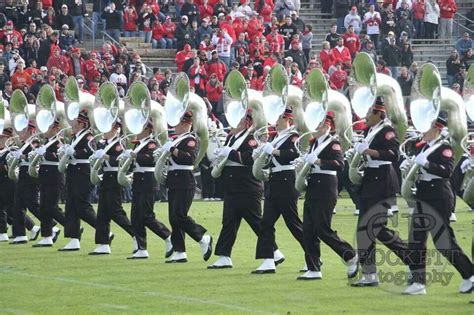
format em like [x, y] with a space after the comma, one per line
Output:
[187, 153]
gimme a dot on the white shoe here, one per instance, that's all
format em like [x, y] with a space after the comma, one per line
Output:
[278, 257]
[334, 211]
[394, 208]
[134, 245]
[168, 247]
[56, 233]
[466, 285]
[206, 199]
[470, 210]
[452, 217]
[268, 266]
[34, 233]
[311, 275]
[389, 213]
[356, 212]
[206, 247]
[352, 266]
[415, 289]
[73, 245]
[139, 254]
[19, 240]
[367, 280]
[4, 237]
[178, 257]
[101, 249]
[222, 262]
[45, 242]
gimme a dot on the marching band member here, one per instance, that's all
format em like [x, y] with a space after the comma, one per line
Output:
[181, 189]
[7, 191]
[26, 192]
[281, 197]
[110, 193]
[242, 192]
[326, 159]
[435, 201]
[79, 187]
[379, 184]
[143, 199]
[51, 181]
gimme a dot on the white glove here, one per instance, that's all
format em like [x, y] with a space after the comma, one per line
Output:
[225, 151]
[17, 155]
[167, 146]
[99, 154]
[361, 147]
[41, 150]
[405, 164]
[465, 165]
[421, 159]
[311, 158]
[127, 154]
[268, 148]
[216, 152]
[69, 151]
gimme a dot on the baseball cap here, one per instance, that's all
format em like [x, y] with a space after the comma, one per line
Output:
[44, 68]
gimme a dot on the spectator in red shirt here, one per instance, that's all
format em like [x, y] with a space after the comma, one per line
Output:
[256, 45]
[351, 41]
[447, 10]
[182, 56]
[276, 41]
[326, 56]
[59, 61]
[206, 10]
[255, 27]
[77, 64]
[381, 67]
[157, 39]
[130, 17]
[339, 77]
[341, 53]
[214, 91]
[10, 35]
[197, 77]
[266, 10]
[206, 46]
[418, 9]
[33, 68]
[168, 32]
[92, 67]
[217, 66]
[21, 78]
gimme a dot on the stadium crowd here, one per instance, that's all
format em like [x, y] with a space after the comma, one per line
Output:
[40, 42]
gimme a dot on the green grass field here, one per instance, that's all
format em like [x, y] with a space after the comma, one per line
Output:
[42, 280]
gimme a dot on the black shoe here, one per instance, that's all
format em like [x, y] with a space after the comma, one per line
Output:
[56, 236]
[68, 249]
[279, 261]
[262, 272]
[97, 254]
[208, 254]
[111, 238]
[42, 245]
[219, 267]
[182, 260]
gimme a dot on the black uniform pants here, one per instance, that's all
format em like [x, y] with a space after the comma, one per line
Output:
[78, 205]
[272, 210]
[26, 197]
[208, 182]
[179, 202]
[432, 216]
[317, 219]
[372, 226]
[50, 210]
[143, 217]
[110, 208]
[236, 208]
[7, 200]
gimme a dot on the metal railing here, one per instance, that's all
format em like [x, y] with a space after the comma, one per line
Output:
[90, 29]
[460, 25]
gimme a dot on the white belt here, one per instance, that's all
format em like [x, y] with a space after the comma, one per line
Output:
[327, 172]
[79, 161]
[24, 164]
[143, 169]
[232, 163]
[377, 164]
[428, 177]
[52, 163]
[180, 167]
[110, 169]
[282, 168]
